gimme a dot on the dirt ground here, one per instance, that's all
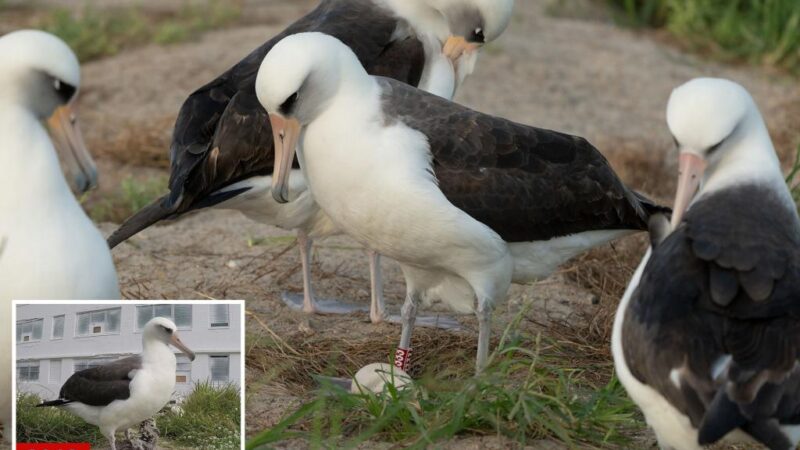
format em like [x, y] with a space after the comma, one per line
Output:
[557, 67]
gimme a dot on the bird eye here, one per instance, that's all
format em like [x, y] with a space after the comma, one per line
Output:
[715, 147]
[479, 36]
[287, 106]
[64, 90]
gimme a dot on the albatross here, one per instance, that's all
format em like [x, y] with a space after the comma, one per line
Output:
[707, 336]
[52, 249]
[464, 201]
[221, 153]
[125, 393]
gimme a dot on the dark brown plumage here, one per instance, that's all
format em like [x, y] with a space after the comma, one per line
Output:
[526, 183]
[726, 282]
[99, 386]
[222, 134]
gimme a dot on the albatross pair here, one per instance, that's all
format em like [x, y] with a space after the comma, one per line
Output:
[125, 393]
[707, 337]
[222, 152]
[464, 201]
[51, 250]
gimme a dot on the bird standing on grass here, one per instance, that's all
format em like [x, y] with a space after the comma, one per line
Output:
[466, 202]
[707, 337]
[222, 153]
[51, 250]
[124, 393]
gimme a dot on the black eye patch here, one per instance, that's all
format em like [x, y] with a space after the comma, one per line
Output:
[287, 106]
[168, 330]
[479, 36]
[65, 91]
[715, 147]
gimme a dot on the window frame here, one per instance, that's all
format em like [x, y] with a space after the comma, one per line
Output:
[137, 329]
[63, 327]
[28, 365]
[26, 322]
[210, 317]
[182, 359]
[211, 373]
[78, 315]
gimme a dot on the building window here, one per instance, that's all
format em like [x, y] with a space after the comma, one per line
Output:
[29, 330]
[220, 369]
[28, 371]
[219, 316]
[83, 364]
[55, 371]
[180, 314]
[183, 371]
[95, 323]
[58, 327]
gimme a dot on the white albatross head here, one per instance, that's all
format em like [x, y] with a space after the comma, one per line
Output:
[297, 80]
[163, 330]
[464, 25]
[40, 74]
[721, 138]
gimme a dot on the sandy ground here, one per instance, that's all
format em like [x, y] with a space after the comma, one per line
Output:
[581, 75]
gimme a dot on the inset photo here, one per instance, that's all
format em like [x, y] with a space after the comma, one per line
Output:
[130, 375]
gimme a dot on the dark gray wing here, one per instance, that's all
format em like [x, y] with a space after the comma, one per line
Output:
[222, 134]
[101, 385]
[726, 282]
[525, 183]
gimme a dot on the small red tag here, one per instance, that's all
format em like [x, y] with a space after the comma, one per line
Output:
[54, 446]
[402, 357]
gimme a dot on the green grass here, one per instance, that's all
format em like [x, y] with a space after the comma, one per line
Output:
[52, 424]
[523, 395]
[756, 31]
[130, 196]
[210, 419]
[94, 34]
[791, 178]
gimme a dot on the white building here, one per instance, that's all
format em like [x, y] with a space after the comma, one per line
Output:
[56, 340]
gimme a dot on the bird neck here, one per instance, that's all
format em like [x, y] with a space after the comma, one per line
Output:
[32, 176]
[422, 16]
[156, 351]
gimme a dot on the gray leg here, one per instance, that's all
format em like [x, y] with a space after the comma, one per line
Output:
[305, 242]
[402, 355]
[409, 317]
[484, 314]
[309, 304]
[377, 310]
[112, 440]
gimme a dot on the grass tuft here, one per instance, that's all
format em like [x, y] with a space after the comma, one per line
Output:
[791, 178]
[209, 418]
[94, 34]
[129, 197]
[755, 31]
[52, 424]
[527, 393]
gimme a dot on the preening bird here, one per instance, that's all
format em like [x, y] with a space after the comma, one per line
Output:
[222, 153]
[51, 250]
[125, 393]
[707, 337]
[466, 202]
